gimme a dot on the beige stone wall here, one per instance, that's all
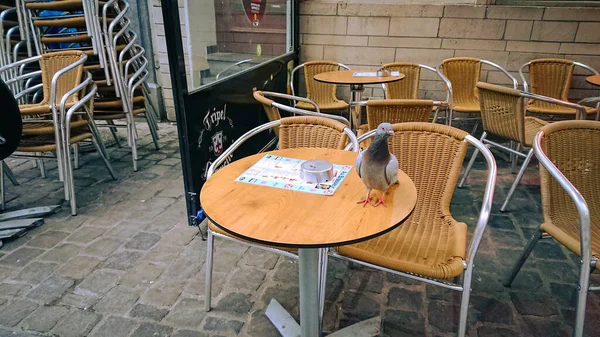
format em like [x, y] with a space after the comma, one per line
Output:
[365, 34]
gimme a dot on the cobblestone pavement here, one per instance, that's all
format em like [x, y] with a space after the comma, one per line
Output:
[128, 265]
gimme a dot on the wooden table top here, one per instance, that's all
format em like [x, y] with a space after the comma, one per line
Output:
[595, 79]
[286, 218]
[346, 77]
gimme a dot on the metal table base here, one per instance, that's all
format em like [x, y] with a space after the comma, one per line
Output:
[356, 91]
[310, 324]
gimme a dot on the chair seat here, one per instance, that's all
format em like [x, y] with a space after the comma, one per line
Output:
[65, 39]
[335, 105]
[45, 143]
[472, 106]
[110, 115]
[215, 228]
[435, 248]
[571, 240]
[532, 126]
[100, 103]
[557, 110]
[41, 128]
[38, 108]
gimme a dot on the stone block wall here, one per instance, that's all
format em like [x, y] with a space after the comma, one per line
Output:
[364, 35]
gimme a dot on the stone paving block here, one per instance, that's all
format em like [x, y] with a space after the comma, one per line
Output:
[13, 289]
[61, 253]
[246, 279]
[152, 329]
[102, 247]
[36, 272]
[122, 231]
[143, 274]
[99, 282]
[142, 241]
[182, 269]
[236, 303]
[189, 333]
[403, 323]
[535, 304]
[163, 294]
[492, 310]
[187, 313]
[119, 300]
[446, 314]
[47, 239]
[360, 306]
[196, 285]
[14, 312]
[256, 257]
[79, 298]
[179, 236]
[78, 267]
[405, 298]
[45, 318]
[222, 325]
[114, 327]
[495, 332]
[85, 235]
[7, 333]
[21, 257]
[78, 323]
[260, 326]
[50, 290]
[148, 311]
[123, 260]
[163, 254]
[364, 280]
[286, 270]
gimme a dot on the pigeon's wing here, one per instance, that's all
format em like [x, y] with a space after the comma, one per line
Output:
[358, 164]
[391, 171]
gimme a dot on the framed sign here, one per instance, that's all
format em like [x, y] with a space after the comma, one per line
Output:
[255, 10]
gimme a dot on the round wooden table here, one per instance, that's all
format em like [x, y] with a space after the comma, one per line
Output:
[594, 79]
[286, 218]
[356, 83]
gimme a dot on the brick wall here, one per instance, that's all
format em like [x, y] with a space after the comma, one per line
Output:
[365, 35]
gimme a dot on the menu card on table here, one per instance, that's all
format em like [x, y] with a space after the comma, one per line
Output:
[372, 73]
[283, 172]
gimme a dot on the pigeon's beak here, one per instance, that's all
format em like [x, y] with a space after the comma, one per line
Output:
[391, 133]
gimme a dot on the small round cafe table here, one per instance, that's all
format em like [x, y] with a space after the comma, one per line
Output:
[309, 222]
[357, 81]
[594, 79]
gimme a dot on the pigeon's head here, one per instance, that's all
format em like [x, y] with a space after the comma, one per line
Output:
[384, 129]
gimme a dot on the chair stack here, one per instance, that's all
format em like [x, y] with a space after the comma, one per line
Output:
[116, 62]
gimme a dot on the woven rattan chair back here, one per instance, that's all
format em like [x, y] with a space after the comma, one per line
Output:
[310, 131]
[550, 77]
[51, 63]
[463, 73]
[573, 148]
[271, 111]
[397, 111]
[321, 93]
[432, 156]
[502, 111]
[408, 88]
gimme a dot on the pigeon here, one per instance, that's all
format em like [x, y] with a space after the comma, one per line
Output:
[376, 166]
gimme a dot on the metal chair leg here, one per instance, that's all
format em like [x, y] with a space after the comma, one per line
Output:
[151, 126]
[464, 301]
[106, 162]
[524, 255]
[514, 158]
[471, 162]
[9, 174]
[517, 180]
[76, 155]
[209, 261]
[584, 283]
[113, 131]
[40, 164]
[2, 196]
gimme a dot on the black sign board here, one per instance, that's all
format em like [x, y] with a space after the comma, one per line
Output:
[210, 119]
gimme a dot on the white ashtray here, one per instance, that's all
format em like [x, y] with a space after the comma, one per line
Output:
[316, 171]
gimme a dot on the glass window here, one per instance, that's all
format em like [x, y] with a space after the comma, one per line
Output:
[225, 37]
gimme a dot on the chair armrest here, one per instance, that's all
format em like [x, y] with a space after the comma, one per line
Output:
[28, 90]
[512, 78]
[580, 204]
[488, 195]
[76, 89]
[60, 73]
[231, 66]
[581, 112]
[310, 113]
[237, 144]
[292, 98]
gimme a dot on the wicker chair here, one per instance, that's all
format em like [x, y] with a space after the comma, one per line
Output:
[552, 78]
[503, 115]
[294, 132]
[322, 93]
[396, 111]
[430, 245]
[570, 178]
[408, 88]
[464, 73]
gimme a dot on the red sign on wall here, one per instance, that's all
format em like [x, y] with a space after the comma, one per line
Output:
[255, 9]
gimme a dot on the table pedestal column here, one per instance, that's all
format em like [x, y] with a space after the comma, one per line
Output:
[356, 93]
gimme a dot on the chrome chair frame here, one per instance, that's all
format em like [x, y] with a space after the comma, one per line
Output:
[515, 153]
[482, 221]
[444, 79]
[451, 110]
[585, 100]
[353, 145]
[298, 67]
[588, 263]
[239, 63]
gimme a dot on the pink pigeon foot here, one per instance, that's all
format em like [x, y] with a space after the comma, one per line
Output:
[381, 200]
[367, 200]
